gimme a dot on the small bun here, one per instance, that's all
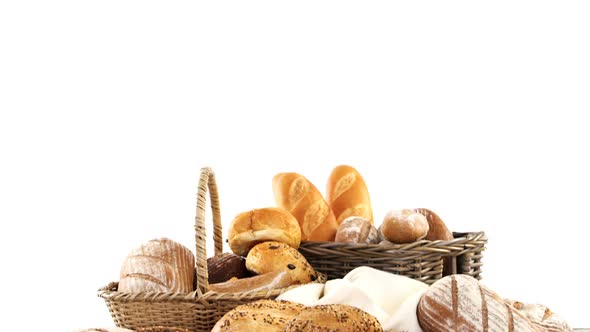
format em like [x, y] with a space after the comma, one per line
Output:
[333, 318]
[357, 230]
[404, 226]
[276, 256]
[260, 225]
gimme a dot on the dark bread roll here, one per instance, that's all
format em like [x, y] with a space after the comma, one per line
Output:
[226, 266]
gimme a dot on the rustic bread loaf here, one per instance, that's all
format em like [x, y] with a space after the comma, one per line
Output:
[266, 281]
[357, 230]
[332, 318]
[461, 303]
[404, 226]
[160, 265]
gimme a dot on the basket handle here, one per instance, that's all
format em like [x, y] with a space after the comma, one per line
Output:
[206, 181]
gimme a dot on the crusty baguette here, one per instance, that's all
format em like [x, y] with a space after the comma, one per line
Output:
[347, 194]
[160, 265]
[303, 200]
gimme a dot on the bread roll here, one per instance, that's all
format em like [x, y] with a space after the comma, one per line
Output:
[274, 256]
[357, 230]
[332, 318]
[437, 230]
[261, 315]
[461, 303]
[302, 199]
[259, 225]
[226, 266]
[404, 226]
[160, 265]
[266, 281]
[347, 194]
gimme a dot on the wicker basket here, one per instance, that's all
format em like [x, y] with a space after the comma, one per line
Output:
[421, 260]
[196, 311]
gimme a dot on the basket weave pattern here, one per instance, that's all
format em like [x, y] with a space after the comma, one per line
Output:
[196, 311]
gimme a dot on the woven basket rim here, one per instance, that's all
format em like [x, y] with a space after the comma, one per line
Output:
[442, 246]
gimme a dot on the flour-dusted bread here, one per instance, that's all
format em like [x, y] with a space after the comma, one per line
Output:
[404, 226]
[460, 303]
[357, 230]
[159, 265]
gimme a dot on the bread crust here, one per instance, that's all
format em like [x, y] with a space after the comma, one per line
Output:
[347, 194]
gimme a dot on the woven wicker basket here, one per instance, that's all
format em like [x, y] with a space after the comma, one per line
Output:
[196, 311]
[421, 260]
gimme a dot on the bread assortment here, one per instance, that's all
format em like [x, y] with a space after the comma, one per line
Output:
[264, 244]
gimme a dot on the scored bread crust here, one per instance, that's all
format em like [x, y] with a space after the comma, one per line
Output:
[348, 195]
[258, 225]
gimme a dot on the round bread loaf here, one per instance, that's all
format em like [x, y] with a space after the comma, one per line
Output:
[260, 225]
[357, 230]
[276, 256]
[261, 315]
[226, 266]
[333, 318]
[404, 226]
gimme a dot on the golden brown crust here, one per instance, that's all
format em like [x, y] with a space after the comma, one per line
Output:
[258, 225]
[404, 226]
[347, 194]
[261, 315]
[271, 280]
[333, 318]
[276, 256]
[437, 230]
[303, 200]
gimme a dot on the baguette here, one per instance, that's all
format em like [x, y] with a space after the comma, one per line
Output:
[303, 200]
[347, 194]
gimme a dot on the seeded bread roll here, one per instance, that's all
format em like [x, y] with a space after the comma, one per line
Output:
[304, 201]
[260, 316]
[274, 256]
[267, 224]
[404, 226]
[333, 318]
[357, 230]
[347, 194]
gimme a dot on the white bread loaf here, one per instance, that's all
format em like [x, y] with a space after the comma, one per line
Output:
[461, 303]
[159, 265]
[347, 194]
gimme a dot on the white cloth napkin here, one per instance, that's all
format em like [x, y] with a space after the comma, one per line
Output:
[391, 298]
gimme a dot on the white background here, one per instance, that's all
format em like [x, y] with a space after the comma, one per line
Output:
[110, 108]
